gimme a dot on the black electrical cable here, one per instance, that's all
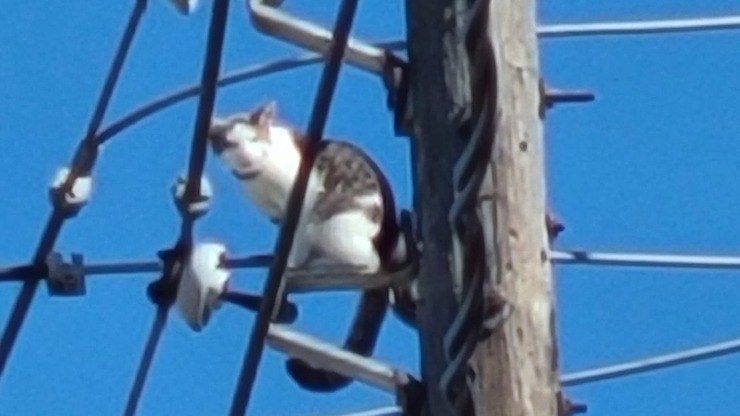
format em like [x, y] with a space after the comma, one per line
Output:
[164, 290]
[247, 73]
[146, 360]
[82, 163]
[273, 283]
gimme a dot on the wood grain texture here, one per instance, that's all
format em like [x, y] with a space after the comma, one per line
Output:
[514, 371]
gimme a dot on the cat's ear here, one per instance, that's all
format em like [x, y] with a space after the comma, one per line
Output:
[265, 114]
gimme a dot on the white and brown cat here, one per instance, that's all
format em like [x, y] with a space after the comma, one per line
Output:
[348, 217]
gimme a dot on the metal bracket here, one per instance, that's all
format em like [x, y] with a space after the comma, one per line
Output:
[200, 205]
[268, 18]
[567, 407]
[163, 291]
[65, 279]
[554, 226]
[549, 96]
[324, 355]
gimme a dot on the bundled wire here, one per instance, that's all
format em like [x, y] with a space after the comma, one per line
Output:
[82, 164]
[284, 243]
[164, 290]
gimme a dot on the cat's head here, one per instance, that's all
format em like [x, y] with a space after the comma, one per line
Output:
[244, 140]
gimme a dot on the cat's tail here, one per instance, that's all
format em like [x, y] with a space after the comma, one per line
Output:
[360, 340]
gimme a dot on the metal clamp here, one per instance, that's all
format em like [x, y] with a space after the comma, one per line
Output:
[163, 291]
[192, 208]
[65, 279]
[268, 18]
[567, 407]
[325, 355]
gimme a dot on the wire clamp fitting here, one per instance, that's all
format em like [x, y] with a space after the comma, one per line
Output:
[163, 291]
[65, 279]
[200, 205]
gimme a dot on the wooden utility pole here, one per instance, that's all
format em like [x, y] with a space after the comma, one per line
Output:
[513, 369]
[440, 97]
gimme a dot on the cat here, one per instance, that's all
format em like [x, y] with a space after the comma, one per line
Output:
[348, 216]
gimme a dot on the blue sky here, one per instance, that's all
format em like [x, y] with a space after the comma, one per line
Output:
[649, 166]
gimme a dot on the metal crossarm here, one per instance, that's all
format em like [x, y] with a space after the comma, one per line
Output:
[163, 291]
[284, 243]
[327, 280]
[408, 390]
[333, 358]
[83, 162]
[596, 258]
[266, 16]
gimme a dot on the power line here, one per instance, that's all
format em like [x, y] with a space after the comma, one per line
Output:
[297, 61]
[163, 291]
[652, 363]
[240, 75]
[561, 256]
[558, 256]
[21, 272]
[639, 27]
[146, 361]
[644, 259]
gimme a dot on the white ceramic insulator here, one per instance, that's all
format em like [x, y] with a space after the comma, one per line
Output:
[81, 189]
[203, 282]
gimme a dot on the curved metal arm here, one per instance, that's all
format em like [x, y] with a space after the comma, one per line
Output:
[269, 19]
[331, 357]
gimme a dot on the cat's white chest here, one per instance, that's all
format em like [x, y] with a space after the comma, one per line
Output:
[271, 188]
[344, 239]
[268, 195]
